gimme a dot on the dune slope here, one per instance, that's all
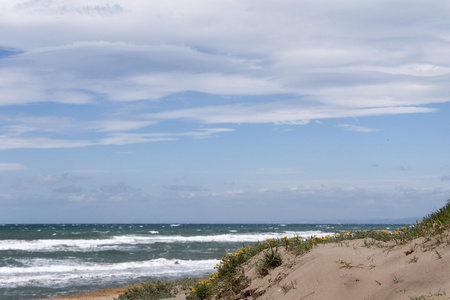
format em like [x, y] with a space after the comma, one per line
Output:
[356, 270]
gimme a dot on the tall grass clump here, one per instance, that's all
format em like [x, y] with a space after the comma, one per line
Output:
[271, 260]
[432, 225]
[157, 289]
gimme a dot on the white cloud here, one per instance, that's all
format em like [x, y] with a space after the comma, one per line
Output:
[17, 125]
[93, 171]
[235, 192]
[49, 179]
[345, 59]
[39, 143]
[277, 113]
[119, 125]
[11, 167]
[259, 171]
[22, 85]
[409, 69]
[356, 128]
[146, 50]
[8, 142]
[21, 124]
[108, 193]
[131, 138]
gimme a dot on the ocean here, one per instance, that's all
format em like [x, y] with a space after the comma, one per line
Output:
[39, 261]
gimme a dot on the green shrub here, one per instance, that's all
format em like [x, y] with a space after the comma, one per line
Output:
[271, 260]
[157, 289]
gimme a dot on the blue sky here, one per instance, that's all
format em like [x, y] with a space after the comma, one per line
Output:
[232, 111]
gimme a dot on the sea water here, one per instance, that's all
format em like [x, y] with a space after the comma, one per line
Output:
[38, 261]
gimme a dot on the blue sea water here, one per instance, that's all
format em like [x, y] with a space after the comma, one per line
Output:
[38, 261]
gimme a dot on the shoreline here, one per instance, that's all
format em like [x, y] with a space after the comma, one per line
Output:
[190, 250]
[355, 268]
[103, 294]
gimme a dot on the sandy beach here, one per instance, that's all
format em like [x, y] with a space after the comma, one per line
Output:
[352, 271]
[346, 270]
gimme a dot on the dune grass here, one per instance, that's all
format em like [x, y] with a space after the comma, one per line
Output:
[158, 289]
[228, 282]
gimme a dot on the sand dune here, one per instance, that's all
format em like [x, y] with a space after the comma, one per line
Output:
[347, 270]
[351, 270]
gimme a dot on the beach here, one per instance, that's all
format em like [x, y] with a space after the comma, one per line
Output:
[55, 260]
[355, 269]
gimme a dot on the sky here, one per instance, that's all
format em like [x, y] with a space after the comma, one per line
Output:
[225, 111]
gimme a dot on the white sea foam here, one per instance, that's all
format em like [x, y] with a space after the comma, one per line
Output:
[56, 273]
[120, 242]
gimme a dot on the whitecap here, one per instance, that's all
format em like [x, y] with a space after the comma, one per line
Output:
[60, 273]
[119, 242]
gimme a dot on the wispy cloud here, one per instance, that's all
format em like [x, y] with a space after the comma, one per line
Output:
[39, 143]
[176, 53]
[119, 125]
[82, 8]
[356, 128]
[108, 193]
[11, 167]
[94, 171]
[257, 171]
[49, 179]
[331, 77]
[7, 142]
[277, 113]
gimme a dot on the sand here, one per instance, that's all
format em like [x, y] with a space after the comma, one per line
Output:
[348, 270]
[107, 294]
[352, 271]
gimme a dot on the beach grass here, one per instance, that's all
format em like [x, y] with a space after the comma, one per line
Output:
[158, 289]
[227, 282]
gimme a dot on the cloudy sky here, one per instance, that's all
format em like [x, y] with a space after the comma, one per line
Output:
[223, 111]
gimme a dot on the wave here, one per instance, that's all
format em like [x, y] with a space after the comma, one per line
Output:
[119, 242]
[50, 273]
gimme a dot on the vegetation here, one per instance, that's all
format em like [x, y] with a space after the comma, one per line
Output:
[430, 296]
[287, 287]
[228, 281]
[157, 289]
[271, 260]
